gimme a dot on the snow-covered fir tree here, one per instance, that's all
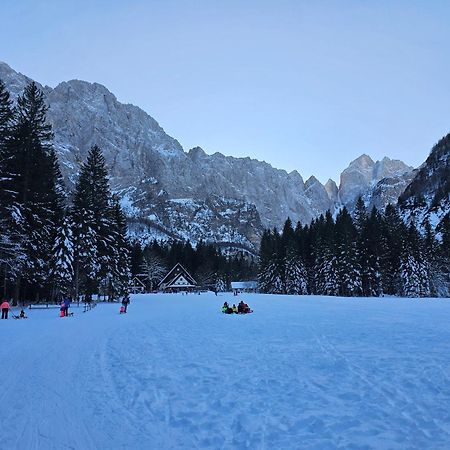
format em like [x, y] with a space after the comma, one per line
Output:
[62, 271]
[30, 176]
[12, 255]
[414, 266]
[296, 276]
[370, 251]
[120, 275]
[101, 248]
[221, 285]
[348, 261]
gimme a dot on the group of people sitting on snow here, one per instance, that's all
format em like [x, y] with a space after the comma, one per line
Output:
[242, 308]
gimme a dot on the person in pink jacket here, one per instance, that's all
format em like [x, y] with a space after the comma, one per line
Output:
[5, 309]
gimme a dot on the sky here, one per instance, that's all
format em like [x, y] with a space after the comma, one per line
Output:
[304, 85]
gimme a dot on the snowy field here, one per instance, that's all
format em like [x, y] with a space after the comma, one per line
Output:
[299, 373]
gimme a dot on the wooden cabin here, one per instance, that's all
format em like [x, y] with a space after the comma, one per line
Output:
[178, 280]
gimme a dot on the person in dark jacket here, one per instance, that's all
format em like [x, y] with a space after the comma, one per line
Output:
[126, 302]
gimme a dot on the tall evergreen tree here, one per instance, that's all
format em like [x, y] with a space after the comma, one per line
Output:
[443, 256]
[121, 273]
[33, 180]
[371, 248]
[348, 265]
[393, 234]
[296, 276]
[325, 261]
[414, 268]
[12, 256]
[62, 271]
[93, 231]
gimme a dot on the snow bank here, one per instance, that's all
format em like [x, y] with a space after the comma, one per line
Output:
[301, 372]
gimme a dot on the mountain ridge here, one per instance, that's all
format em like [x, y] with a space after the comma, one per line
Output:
[151, 168]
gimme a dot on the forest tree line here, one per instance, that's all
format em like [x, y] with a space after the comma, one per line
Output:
[53, 244]
[369, 254]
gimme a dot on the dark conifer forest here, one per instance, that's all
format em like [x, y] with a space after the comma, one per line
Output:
[369, 254]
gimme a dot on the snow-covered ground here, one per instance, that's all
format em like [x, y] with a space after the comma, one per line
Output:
[301, 372]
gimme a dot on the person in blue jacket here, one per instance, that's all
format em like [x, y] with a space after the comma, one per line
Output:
[66, 306]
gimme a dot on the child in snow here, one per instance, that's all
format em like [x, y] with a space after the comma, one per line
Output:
[22, 314]
[225, 307]
[235, 310]
[122, 310]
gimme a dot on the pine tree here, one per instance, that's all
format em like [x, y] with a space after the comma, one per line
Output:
[92, 216]
[269, 278]
[325, 269]
[360, 214]
[296, 276]
[393, 233]
[370, 250]
[62, 271]
[33, 180]
[414, 269]
[12, 256]
[6, 114]
[221, 284]
[120, 275]
[443, 257]
[348, 266]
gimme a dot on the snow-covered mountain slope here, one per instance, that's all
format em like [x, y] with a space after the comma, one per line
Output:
[387, 191]
[428, 195]
[215, 219]
[150, 168]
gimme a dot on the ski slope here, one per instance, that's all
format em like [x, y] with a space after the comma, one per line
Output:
[301, 372]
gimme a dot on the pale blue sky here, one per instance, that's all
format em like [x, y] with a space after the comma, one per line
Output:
[306, 85]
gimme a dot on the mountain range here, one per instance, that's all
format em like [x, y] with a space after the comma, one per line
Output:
[170, 193]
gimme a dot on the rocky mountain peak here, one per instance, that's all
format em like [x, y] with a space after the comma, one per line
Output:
[197, 153]
[363, 174]
[363, 161]
[15, 81]
[332, 190]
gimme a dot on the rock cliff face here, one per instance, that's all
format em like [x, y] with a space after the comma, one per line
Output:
[427, 197]
[168, 192]
[363, 177]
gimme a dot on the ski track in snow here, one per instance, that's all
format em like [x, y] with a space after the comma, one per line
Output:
[301, 372]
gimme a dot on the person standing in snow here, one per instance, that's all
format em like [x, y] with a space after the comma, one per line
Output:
[5, 309]
[126, 302]
[66, 306]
